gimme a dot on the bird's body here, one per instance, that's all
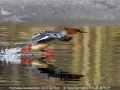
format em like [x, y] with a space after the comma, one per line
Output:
[3, 12]
[44, 39]
[47, 37]
[39, 46]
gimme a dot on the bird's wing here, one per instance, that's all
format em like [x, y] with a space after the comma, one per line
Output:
[45, 39]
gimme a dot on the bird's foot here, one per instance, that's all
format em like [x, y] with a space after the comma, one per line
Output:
[48, 51]
[25, 60]
[27, 49]
[48, 57]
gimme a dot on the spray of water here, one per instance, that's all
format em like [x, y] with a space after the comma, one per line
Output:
[10, 51]
[10, 55]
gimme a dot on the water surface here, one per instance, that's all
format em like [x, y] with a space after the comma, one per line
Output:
[94, 54]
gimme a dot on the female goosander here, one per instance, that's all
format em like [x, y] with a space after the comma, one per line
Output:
[44, 39]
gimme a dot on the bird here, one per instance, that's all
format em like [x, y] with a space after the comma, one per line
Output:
[3, 12]
[41, 40]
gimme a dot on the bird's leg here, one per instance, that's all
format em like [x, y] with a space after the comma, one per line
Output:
[48, 57]
[48, 51]
[25, 60]
[27, 49]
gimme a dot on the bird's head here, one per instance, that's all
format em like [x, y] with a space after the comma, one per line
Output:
[74, 30]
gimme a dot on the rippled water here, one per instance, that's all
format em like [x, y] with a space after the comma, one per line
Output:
[94, 55]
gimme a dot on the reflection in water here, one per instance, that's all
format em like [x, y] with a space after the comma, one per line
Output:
[10, 55]
[99, 62]
[39, 66]
[98, 55]
[86, 55]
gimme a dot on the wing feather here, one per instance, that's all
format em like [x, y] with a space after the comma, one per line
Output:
[45, 39]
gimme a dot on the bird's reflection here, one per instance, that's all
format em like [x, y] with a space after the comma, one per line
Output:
[39, 66]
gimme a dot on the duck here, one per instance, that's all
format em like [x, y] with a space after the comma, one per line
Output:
[42, 40]
[3, 12]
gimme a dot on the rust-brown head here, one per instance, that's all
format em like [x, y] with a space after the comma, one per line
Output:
[74, 30]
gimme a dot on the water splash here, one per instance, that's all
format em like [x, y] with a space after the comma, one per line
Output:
[10, 51]
[10, 55]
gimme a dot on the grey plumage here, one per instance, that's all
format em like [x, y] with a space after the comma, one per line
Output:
[46, 36]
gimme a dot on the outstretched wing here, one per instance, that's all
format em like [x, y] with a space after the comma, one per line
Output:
[45, 39]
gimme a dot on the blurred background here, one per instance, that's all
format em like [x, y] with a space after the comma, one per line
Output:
[60, 12]
[94, 54]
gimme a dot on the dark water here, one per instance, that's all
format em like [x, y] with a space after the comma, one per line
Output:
[88, 59]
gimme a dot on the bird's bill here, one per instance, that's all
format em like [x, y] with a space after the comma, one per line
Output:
[81, 31]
